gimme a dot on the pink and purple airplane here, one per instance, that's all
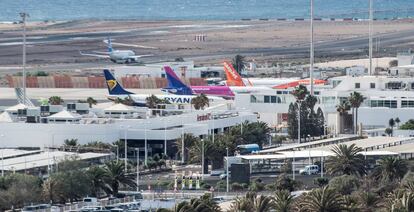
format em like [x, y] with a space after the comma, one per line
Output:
[176, 86]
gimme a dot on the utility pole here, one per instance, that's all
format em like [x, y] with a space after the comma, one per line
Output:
[24, 15]
[227, 170]
[371, 19]
[311, 51]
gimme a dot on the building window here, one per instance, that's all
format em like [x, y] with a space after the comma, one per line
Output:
[253, 99]
[384, 103]
[273, 99]
[407, 103]
[357, 85]
[266, 99]
[372, 85]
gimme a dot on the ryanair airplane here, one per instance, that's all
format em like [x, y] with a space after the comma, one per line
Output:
[117, 91]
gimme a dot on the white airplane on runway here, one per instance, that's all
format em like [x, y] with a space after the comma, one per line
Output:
[119, 56]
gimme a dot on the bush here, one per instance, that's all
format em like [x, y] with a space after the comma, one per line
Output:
[345, 184]
[283, 182]
[206, 186]
[236, 187]
[321, 181]
[256, 186]
[245, 185]
[270, 187]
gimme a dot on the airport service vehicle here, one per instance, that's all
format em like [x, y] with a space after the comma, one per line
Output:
[309, 170]
[247, 148]
[117, 56]
[117, 91]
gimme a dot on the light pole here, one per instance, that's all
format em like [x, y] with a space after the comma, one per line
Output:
[24, 15]
[371, 18]
[165, 136]
[145, 143]
[293, 164]
[202, 159]
[2, 157]
[137, 149]
[182, 141]
[214, 132]
[227, 170]
[322, 165]
[299, 121]
[311, 50]
[126, 148]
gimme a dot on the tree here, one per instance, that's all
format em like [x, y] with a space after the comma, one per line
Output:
[97, 177]
[391, 123]
[239, 63]
[91, 101]
[70, 183]
[347, 160]
[323, 200]
[55, 100]
[283, 201]
[200, 102]
[19, 190]
[388, 131]
[152, 101]
[343, 108]
[390, 169]
[71, 142]
[253, 203]
[116, 176]
[397, 121]
[355, 100]
[189, 141]
[344, 184]
[283, 182]
[409, 125]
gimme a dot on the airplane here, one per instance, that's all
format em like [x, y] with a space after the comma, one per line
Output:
[117, 91]
[117, 56]
[176, 86]
[233, 78]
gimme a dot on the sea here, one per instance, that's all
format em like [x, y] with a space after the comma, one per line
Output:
[64, 10]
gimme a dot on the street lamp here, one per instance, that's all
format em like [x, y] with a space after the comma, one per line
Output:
[165, 136]
[24, 16]
[126, 147]
[182, 140]
[299, 121]
[145, 143]
[227, 170]
[202, 159]
[293, 164]
[137, 149]
[2, 157]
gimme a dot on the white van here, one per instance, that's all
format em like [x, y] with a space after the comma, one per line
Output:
[309, 169]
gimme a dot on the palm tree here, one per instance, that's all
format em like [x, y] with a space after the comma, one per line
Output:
[200, 102]
[55, 100]
[368, 201]
[390, 169]
[391, 122]
[91, 101]
[152, 101]
[400, 200]
[283, 201]
[355, 99]
[97, 176]
[251, 202]
[238, 63]
[300, 92]
[71, 142]
[189, 141]
[347, 160]
[116, 176]
[388, 131]
[322, 200]
[343, 108]
[397, 121]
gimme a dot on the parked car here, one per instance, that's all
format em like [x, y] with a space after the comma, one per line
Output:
[309, 169]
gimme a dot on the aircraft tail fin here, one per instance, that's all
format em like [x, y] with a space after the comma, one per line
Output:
[114, 88]
[175, 85]
[110, 49]
[233, 78]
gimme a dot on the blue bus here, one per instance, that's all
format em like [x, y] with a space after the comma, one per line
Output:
[247, 148]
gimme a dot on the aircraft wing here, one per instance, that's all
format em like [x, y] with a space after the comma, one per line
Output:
[94, 55]
[131, 45]
[139, 56]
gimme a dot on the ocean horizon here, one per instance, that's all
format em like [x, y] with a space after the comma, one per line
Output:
[65, 10]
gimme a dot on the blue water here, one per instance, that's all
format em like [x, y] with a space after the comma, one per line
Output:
[199, 9]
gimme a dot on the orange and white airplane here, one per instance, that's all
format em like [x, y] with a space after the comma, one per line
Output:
[234, 79]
